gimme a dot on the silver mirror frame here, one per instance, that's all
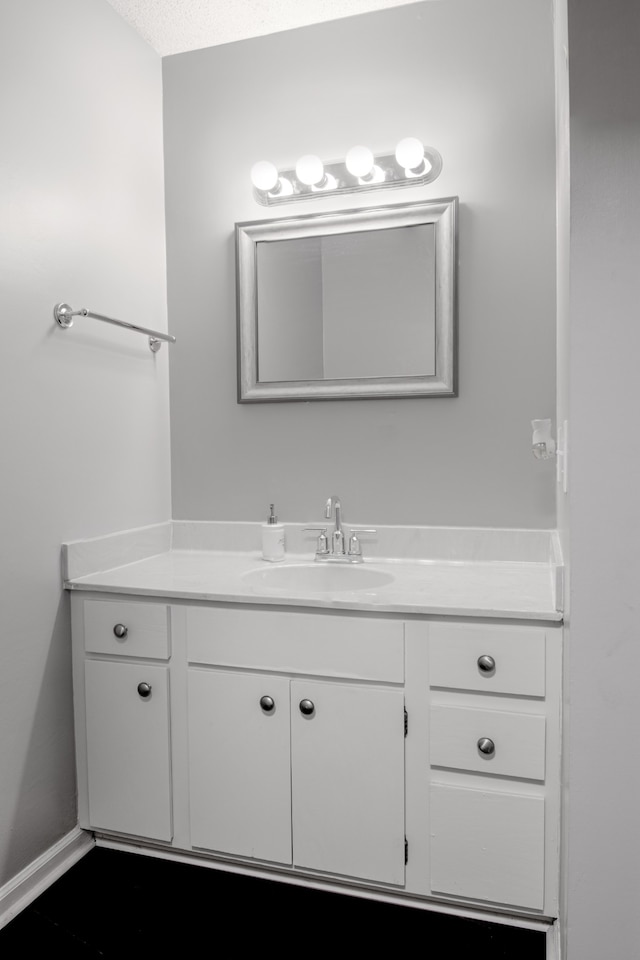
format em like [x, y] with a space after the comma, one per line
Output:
[443, 214]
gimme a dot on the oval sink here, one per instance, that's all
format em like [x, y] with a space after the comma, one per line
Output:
[317, 578]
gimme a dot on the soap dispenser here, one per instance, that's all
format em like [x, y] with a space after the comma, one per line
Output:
[272, 538]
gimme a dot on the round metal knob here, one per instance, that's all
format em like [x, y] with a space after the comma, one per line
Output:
[120, 631]
[486, 746]
[144, 689]
[486, 664]
[307, 707]
[267, 704]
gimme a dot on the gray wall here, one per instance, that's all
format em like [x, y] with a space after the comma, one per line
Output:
[85, 444]
[475, 80]
[600, 378]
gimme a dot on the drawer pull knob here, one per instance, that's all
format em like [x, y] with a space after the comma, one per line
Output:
[307, 708]
[120, 631]
[486, 746]
[144, 689]
[267, 704]
[486, 664]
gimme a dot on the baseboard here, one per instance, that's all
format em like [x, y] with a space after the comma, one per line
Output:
[19, 892]
[544, 925]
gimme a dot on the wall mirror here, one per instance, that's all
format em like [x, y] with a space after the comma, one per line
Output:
[354, 304]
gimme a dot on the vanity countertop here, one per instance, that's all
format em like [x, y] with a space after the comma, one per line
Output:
[468, 588]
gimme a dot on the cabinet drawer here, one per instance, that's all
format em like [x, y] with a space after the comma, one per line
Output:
[487, 845]
[353, 647]
[144, 625]
[516, 748]
[518, 654]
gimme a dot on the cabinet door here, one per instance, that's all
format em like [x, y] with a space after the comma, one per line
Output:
[487, 845]
[348, 779]
[239, 764]
[128, 748]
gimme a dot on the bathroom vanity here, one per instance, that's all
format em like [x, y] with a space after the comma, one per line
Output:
[386, 738]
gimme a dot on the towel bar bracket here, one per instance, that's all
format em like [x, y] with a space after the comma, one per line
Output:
[64, 315]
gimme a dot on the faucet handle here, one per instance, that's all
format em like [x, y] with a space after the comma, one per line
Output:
[322, 546]
[355, 547]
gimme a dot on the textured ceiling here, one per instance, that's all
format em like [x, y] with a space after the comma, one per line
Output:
[174, 26]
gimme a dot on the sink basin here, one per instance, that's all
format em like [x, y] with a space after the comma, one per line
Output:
[317, 578]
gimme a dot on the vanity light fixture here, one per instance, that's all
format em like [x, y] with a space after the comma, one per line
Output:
[410, 165]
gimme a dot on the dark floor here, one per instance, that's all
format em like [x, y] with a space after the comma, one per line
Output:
[114, 904]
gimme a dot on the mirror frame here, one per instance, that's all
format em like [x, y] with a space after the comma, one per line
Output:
[443, 214]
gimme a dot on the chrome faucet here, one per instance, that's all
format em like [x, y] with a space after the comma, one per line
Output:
[333, 549]
[333, 506]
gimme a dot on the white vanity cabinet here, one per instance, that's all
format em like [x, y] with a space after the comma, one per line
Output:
[124, 709]
[292, 769]
[275, 737]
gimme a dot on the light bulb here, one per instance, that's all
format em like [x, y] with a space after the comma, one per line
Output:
[410, 153]
[264, 175]
[310, 170]
[359, 161]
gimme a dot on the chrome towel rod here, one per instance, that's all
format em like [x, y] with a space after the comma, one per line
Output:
[64, 314]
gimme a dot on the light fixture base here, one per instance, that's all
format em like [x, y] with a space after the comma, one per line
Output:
[389, 175]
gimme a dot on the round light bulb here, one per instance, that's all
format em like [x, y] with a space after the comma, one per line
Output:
[310, 170]
[359, 161]
[264, 175]
[410, 153]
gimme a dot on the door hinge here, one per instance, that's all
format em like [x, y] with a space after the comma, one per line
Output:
[406, 851]
[406, 722]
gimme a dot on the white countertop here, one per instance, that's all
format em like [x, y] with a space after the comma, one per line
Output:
[469, 588]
